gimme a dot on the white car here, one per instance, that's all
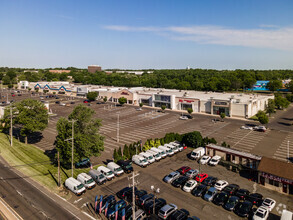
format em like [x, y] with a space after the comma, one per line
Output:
[269, 204]
[189, 185]
[220, 184]
[246, 127]
[205, 159]
[215, 160]
[262, 213]
[139, 109]
[183, 118]
[191, 173]
[260, 128]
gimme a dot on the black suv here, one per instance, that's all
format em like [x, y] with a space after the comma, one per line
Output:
[255, 198]
[221, 198]
[125, 165]
[149, 205]
[210, 181]
[181, 214]
[231, 189]
[179, 182]
[242, 194]
[122, 193]
[199, 190]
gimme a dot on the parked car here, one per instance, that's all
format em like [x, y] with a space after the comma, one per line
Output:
[183, 118]
[149, 205]
[84, 163]
[197, 153]
[107, 172]
[166, 150]
[210, 194]
[110, 199]
[98, 177]
[255, 198]
[167, 210]
[171, 177]
[244, 209]
[86, 180]
[231, 189]
[260, 128]
[140, 214]
[142, 200]
[221, 198]
[128, 213]
[57, 102]
[188, 116]
[148, 157]
[125, 165]
[140, 161]
[74, 186]
[210, 181]
[199, 190]
[193, 218]
[138, 194]
[191, 173]
[231, 203]
[201, 177]
[221, 184]
[156, 156]
[242, 194]
[180, 182]
[183, 170]
[62, 104]
[262, 213]
[245, 127]
[115, 168]
[215, 160]
[161, 152]
[122, 193]
[86, 101]
[189, 185]
[181, 214]
[111, 211]
[269, 204]
[205, 159]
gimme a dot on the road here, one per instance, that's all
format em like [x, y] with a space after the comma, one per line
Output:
[28, 201]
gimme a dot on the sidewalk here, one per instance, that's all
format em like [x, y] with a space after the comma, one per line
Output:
[7, 212]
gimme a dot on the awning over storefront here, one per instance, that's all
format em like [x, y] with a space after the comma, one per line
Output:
[277, 170]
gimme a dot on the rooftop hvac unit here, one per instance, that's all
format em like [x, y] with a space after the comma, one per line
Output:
[232, 96]
[237, 100]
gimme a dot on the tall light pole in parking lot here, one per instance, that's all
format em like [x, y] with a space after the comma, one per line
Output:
[117, 127]
[155, 192]
[134, 174]
[288, 146]
[72, 146]
[11, 127]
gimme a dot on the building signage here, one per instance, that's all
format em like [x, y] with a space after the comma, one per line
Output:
[220, 103]
[124, 93]
[188, 101]
[276, 178]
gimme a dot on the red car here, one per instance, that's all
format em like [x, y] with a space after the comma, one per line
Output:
[13, 95]
[183, 170]
[201, 177]
[85, 101]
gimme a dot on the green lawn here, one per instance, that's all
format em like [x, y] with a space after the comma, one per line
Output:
[32, 162]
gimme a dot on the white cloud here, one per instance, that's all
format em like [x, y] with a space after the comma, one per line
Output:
[276, 38]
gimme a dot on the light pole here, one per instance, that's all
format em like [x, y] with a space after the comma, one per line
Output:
[11, 127]
[155, 192]
[72, 147]
[288, 146]
[117, 127]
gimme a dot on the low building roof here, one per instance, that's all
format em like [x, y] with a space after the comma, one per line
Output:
[276, 167]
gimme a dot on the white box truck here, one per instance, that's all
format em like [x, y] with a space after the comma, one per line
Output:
[147, 156]
[140, 161]
[86, 180]
[166, 150]
[75, 186]
[115, 168]
[107, 173]
[157, 156]
[172, 147]
[197, 153]
[156, 150]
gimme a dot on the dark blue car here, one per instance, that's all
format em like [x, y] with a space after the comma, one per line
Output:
[111, 212]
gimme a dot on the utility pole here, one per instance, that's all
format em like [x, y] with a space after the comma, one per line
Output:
[11, 128]
[118, 127]
[155, 192]
[58, 169]
[288, 146]
[72, 147]
[134, 174]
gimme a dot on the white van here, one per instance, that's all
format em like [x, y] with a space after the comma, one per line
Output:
[86, 180]
[74, 186]
[98, 176]
[167, 150]
[172, 147]
[177, 144]
[107, 172]
[197, 153]
[157, 156]
[287, 215]
[156, 150]
[115, 168]
[147, 156]
[140, 161]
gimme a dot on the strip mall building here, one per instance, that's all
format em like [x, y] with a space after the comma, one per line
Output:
[232, 104]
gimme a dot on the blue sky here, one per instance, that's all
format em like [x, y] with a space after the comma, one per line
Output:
[137, 34]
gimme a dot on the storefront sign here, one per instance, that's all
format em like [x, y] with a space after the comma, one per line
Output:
[276, 178]
[221, 103]
[124, 93]
[188, 101]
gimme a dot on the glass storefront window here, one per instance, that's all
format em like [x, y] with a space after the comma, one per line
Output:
[163, 98]
[218, 110]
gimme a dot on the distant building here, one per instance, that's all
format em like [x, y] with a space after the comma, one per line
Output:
[59, 71]
[94, 68]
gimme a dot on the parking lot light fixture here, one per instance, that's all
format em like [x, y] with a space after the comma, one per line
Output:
[156, 191]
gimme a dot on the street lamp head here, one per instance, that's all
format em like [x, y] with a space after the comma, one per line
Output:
[152, 187]
[158, 190]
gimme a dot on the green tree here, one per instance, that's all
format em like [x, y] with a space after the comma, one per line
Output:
[274, 85]
[6, 80]
[281, 102]
[163, 107]
[222, 115]
[115, 155]
[87, 140]
[120, 153]
[92, 96]
[290, 86]
[192, 139]
[262, 117]
[122, 100]
[105, 99]
[30, 116]
[189, 110]
[126, 154]
[140, 105]
[271, 106]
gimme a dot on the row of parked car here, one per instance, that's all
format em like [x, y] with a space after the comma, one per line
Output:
[143, 159]
[147, 207]
[99, 176]
[199, 153]
[221, 193]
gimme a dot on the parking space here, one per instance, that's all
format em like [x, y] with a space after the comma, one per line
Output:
[153, 175]
[285, 148]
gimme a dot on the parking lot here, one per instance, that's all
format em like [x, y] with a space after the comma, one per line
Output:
[153, 175]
